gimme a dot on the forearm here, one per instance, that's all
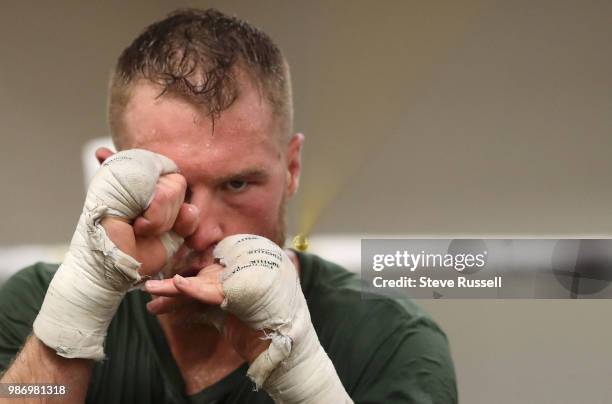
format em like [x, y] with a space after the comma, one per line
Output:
[83, 296]
[37, 363]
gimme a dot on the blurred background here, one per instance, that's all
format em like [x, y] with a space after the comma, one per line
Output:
[440, 118]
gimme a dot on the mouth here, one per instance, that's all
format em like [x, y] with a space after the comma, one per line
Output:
[190, 262]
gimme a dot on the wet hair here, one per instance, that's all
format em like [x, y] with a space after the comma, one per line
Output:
[197, 55]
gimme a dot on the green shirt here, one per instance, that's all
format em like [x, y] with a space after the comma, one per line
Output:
[385, 351]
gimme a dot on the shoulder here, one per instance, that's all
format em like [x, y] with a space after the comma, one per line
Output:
[28, 284]
[20, 299]
[332, 292]
[382, 348]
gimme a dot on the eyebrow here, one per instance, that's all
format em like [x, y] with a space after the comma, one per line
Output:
[252, 174]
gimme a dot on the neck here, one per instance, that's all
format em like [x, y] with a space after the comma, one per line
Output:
[201, 354]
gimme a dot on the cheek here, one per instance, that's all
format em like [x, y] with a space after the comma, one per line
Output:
[258, 211]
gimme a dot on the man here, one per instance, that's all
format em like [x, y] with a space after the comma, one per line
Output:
[200, 111]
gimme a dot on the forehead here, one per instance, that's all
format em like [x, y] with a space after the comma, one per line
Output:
[149, 110]
[170, 125]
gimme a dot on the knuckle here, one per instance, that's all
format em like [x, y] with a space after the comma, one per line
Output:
[174, 181]
[161, 196]
[180, 182]
[178, 191]
[156, 222]
[171, 192]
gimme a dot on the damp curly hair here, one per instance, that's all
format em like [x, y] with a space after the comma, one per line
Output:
[197, 54]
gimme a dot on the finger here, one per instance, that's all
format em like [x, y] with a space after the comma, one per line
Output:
[142, 227]
[164, 207]
[174, 187]
[162, 288]
[120, 233]
[187, 220]
[166, 287]
[162, 305]
[204, 289]
[211, 272]
[150, 252]
[102, 153]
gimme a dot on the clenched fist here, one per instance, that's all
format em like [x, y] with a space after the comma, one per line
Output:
[131, 208]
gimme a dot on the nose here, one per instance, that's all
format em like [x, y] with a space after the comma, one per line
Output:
[210, 229]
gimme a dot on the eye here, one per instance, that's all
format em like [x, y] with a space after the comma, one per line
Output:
[236, 185]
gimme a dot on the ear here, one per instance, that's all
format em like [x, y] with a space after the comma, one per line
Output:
[294, 163]
[103, 153]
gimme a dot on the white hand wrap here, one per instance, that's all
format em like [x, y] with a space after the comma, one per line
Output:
[95, 275]
[262, 289]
